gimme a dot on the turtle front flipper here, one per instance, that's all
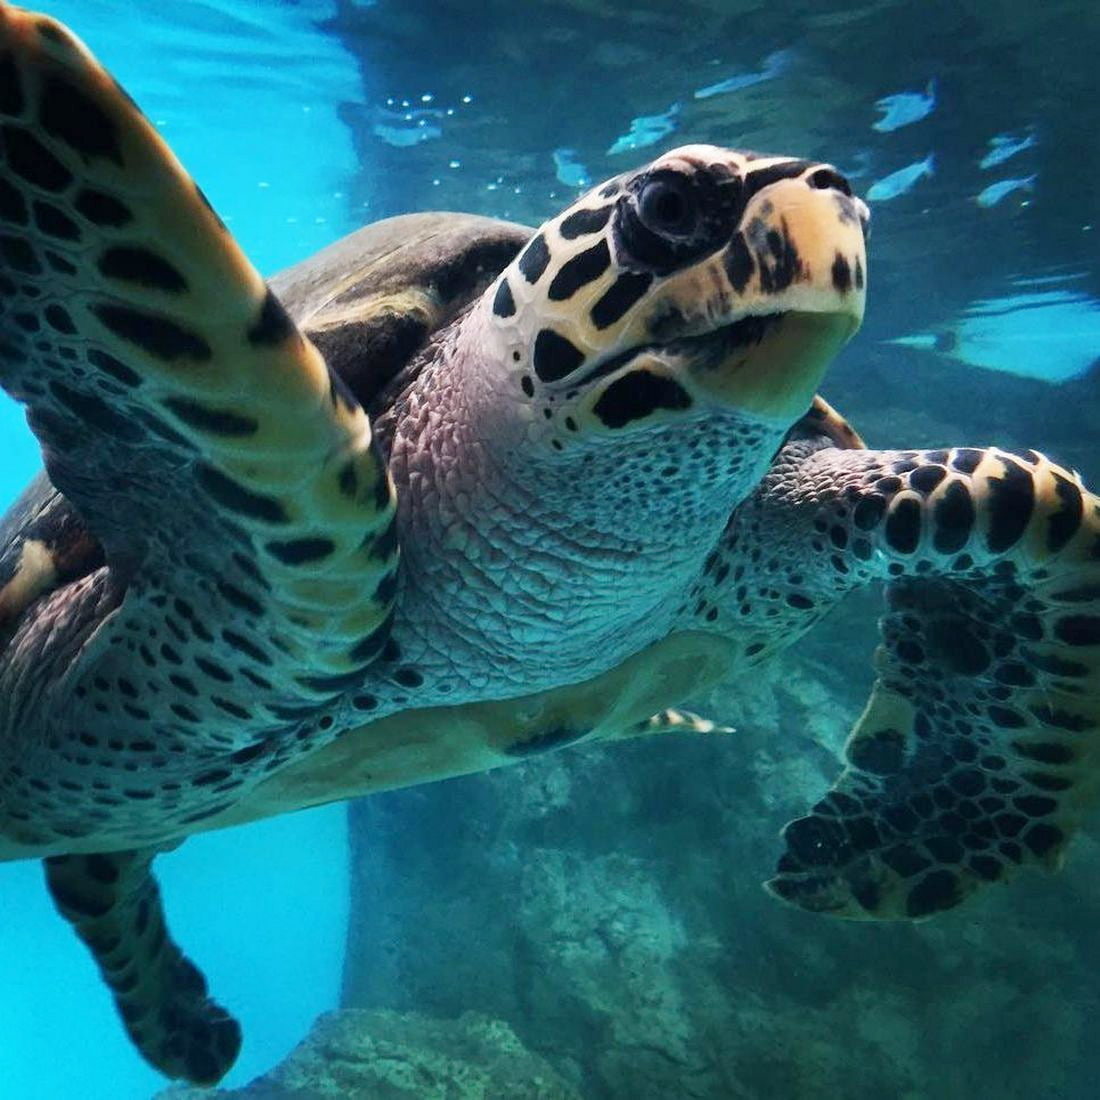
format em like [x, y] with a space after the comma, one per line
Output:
[978, 749]
[113, 902]
[202, 438]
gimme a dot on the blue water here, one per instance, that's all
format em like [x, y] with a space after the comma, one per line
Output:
[246, 95]
[984, 312]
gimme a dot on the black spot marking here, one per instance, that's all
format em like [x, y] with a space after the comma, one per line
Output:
[967, 459]
[230, 708]
[816, 841]
[1006, 718]
[1078, 630]
[241, 599]
[70, 899]
[96, 413]
[1045, 752]
[273, 326]
[213, 421]
[54, 223]
[738, 262]
[627, 289]
[1063, 525]
[881, 753]
[555, 356]
[140, 266]
[235, 497]
[903, 526]
[242, 645]
[214, 671]
[408, 677]
[953, 519]
[504, 305]
[936, 891]
[58, 319]
[1043, 837]
[527, 385]
[637, 395]
[13, 207]
[159, 336]
[554, 738]
[842, 274]
[59, 263]
[386, 589]
[1011, 499]
[300, 551]
[534, 259]
[925, 478]
[579, 272]
[341, 396]
[1062, 719]
[249, 752]
[215, 775]
[11, 90]
[370, 646]
[68, 114]
[868, 511]
[102, 868]
[102, 209]
[110, 365]
[780, 264]
[29, 159]
[1085, 593]
[19, 256]
[582, 222]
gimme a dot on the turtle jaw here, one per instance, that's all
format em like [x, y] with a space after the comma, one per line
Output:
[766, 365]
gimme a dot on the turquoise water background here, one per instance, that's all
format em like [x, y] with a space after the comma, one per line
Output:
[304, 119]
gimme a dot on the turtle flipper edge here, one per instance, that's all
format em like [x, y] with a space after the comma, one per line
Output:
[113, 902]
[978, 749]
[179, 408]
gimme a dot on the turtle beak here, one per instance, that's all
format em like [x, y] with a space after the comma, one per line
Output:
[761, 320]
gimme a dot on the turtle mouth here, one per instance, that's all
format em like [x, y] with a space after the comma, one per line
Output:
[769, 364]
[709, 347]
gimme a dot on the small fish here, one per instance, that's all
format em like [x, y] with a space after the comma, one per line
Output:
[405, 136]
[647, 130]
[997, 191]
[774, 64]
[905, 108]
[897, 183]
[1003, 146]
[859, 167]
[569, 169]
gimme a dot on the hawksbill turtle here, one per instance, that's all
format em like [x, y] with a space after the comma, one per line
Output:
[453, 492]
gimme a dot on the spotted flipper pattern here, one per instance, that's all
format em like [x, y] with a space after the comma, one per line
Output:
[113, 902]
[977, 752]
[229, 476]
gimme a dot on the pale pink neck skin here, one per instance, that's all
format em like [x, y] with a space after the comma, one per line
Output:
[524, 567]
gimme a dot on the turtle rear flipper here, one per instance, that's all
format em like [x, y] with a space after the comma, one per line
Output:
[113, 902]
[202, 438]
[978, 749]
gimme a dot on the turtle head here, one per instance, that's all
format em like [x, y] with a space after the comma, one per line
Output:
[710, 281]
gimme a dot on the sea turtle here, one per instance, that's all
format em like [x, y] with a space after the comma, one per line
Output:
[596, 447]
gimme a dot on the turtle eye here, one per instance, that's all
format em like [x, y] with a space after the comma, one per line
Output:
[666, 206]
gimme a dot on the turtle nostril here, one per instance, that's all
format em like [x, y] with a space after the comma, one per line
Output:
[825, 179]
